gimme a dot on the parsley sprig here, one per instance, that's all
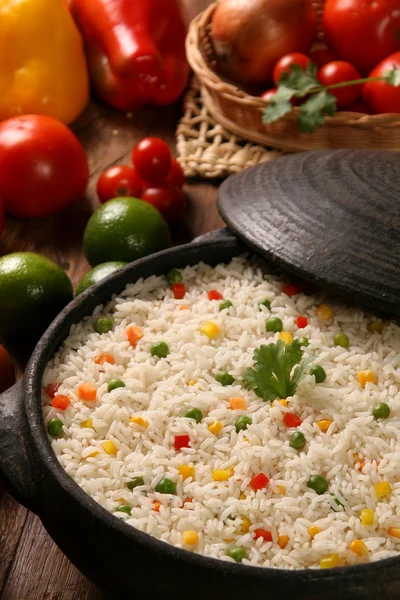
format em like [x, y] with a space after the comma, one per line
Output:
[274, 375]
[299, 83]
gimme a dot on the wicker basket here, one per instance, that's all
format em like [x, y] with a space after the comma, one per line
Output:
[242, 113]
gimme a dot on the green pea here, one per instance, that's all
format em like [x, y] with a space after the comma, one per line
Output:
[225, 304]
[166, 486]
[381, 411]
[195, 414]
[319, 373]
[297, 440]
[265, 303]
[303, 341]
[318, 483]
[275, 324]
[135, 482]
[173, 276]
[242, 423]
[103, 325]
[237, 553]
[160, 349]
[224, 378]
[341, 339]
[114, 384]
[55, 427]
[125, 509]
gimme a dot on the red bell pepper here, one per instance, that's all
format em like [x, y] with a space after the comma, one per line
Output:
[135, 50]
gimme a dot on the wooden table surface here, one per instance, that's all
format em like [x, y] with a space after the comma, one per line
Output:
[31, 565]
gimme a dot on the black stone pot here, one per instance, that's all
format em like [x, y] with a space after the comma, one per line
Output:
[114, 555]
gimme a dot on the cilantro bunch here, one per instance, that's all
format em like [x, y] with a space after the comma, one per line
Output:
[275, 374]
[300, 83]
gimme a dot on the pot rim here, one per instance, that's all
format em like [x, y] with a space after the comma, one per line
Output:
[52, 339]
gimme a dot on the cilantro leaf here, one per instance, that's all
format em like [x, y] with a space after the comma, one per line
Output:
[300, 80]
[392, 77]
[272, 376]
[312, 113]
[279, 105]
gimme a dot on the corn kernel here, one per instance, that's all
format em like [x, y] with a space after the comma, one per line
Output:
[92, 455]
[313, 530]
[364, 377]
[283, 401]
[215, 427]
[359, 548]
[281, 489]
[88, 424]
[329, 562]
[324, 425]
[186, 472]
[210, 329]
[356, 457]
[246, 439]
[324, 312]
[190, 538]
[382, 489]
[242, 496]
[229, 540]
[394, 532]
[192, 383]
[237, 404]
[221, 474]
[283, 541]
[139, 421]
[367, 517]
[286, 337]
[375, 327]
[110, 447]
[246, 524]
[183, 307]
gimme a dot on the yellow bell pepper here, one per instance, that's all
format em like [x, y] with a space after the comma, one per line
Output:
[42, 63]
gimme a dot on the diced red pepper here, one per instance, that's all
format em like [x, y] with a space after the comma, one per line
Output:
[264, 534]
[61, 402]
[179, 290]
[291, 420]
[215, 295]
[51, 389]
[301, 322]
[291, 289]
[259, 482]
[181, 441]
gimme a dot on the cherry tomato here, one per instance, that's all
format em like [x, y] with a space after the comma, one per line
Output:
[7, 372]
[169, 200]
[268, 94]
[321, 56]
[176, 175]
[361, 31]
[283, 65]
[43, 166]
[121, 180]
[152, 160]
[336, 72]
[379, 96]
[2, 217]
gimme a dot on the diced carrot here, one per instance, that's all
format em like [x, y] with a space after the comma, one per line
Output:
[134, 334]
[156, 506]
[61, 402]
[104, 358]
[87, 391]
[186, 501]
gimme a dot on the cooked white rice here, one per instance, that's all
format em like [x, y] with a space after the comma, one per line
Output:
[158, 390]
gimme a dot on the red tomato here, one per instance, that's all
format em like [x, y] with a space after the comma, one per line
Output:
[361, 31]
[7, 372]
[264, 534]
[179, 290]
[169, 200]
[268, 94]
[283, 65]
[176, 175]
[337, 72]
[379, 95]
[152, 160]
[43, 166]
[321, 56]
[301, 322]
[121, 180]
[291, 420]
[259, 482]
[2, 217]
[215, 295]
[181, 441]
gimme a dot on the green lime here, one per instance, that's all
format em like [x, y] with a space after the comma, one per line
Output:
[124, 229]
[33, 290]
[97, 274]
